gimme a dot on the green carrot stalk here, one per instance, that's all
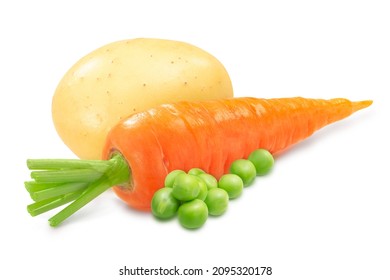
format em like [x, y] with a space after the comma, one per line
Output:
[57, 191]
[46, 205]
[58, 182]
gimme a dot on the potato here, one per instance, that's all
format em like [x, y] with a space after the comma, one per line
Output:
[127, 77]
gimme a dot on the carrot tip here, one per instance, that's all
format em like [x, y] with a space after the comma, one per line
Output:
[358, 105]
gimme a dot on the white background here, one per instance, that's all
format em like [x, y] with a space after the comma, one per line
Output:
[323, 213]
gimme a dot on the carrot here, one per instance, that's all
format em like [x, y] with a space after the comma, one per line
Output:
[142, 149]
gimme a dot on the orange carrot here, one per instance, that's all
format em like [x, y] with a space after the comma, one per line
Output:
[212, 134]
[142, 149]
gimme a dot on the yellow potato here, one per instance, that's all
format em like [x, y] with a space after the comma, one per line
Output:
[126, 77]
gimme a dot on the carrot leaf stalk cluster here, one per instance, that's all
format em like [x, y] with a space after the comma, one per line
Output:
[56, 182]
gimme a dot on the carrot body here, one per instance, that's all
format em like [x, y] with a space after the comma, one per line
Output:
[211, 135]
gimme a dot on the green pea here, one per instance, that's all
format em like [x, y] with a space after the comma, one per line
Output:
[263, 161]
[245, 169]
[185, 187]
[232, 184]
[217, 201]
[193, 214]
[168, 183]
[210, 180]
[203, 189]
[196, 171]
[164, 205]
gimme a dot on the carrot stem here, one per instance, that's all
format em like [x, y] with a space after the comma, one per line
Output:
[58, 164]
[32, 186]
[65, 176]
[57, 191]
[57, 182]
[46, 205]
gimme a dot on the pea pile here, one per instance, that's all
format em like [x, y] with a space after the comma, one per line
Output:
[195, 195]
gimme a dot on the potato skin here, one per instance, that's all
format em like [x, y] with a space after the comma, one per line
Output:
[127, 77]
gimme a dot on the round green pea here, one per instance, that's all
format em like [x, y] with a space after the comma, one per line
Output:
[232, 184]
[185, 187]
[262, 160]
[168, 183]
[209, 179]
[217, 201]
[193, 214]
[245, 169]
[164, 205]
[196, 171]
